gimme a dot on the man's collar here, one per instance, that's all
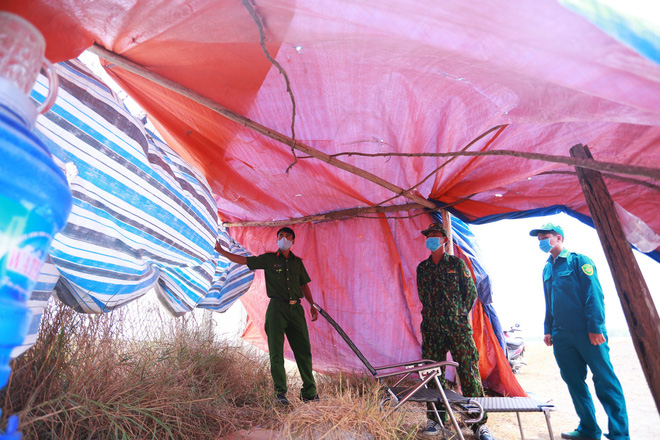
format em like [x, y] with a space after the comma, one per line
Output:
[445, 256]
[280, 254]
[563, 254]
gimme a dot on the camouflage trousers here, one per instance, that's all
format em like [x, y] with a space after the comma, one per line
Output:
[453, 335]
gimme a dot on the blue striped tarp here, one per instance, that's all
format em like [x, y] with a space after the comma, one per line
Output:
[142, 218]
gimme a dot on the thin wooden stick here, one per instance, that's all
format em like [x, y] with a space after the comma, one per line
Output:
[240, 119]
[611, 176]
[472, 142]
[273, 61]
[633, 170]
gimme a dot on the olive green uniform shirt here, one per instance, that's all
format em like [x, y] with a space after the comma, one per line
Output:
[284, 277]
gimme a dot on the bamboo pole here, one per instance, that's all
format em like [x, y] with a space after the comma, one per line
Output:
[240, 119]
[638, 307]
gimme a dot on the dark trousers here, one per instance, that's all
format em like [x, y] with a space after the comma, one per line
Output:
[285, 319]
[455, 336]
[574, 352]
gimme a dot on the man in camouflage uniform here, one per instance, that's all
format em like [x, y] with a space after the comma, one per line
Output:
[447, 293]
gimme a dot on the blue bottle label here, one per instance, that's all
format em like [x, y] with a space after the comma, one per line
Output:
[25, 239]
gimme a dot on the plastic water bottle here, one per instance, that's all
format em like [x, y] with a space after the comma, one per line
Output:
[35, 199]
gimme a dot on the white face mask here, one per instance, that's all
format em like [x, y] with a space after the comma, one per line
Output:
[283, 244]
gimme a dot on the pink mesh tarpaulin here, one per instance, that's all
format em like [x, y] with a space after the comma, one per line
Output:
[394, 78]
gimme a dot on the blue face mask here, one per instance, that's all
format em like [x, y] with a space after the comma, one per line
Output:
[433, 243]
[545, 245]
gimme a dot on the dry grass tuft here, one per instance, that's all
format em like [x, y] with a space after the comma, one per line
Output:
[81, 380]
[96, 377]
[353, 413]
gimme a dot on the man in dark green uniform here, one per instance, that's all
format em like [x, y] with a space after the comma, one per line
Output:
[575, 327]
[286, 283]
[447, 293]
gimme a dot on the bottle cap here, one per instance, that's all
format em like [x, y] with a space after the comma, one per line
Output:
[15, 101]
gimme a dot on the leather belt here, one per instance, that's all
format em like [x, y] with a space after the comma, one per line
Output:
[290, 301]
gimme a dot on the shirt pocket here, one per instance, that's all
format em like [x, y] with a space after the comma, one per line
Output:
[452, 280]
[294, 274]
[564, 280]
[279, 272]
[547, 281]
[547, 274]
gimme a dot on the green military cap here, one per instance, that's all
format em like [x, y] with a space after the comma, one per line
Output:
[548, 227]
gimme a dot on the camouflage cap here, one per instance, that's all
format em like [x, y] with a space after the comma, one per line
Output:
[435, 227]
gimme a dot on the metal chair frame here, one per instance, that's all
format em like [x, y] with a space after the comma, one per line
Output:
[429, 370]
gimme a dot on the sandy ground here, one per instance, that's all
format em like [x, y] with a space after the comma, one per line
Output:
[541, 379]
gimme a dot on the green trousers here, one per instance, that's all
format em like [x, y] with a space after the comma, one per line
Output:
[285, 319]
[574, 352]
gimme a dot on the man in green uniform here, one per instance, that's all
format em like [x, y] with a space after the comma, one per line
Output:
[575, 327]
[447, 293]
[286, 283]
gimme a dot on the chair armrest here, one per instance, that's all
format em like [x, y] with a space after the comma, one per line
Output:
[408, 370]
[411, 364]
[404, 364]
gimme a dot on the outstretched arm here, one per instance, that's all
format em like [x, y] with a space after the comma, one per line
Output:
[238, 259]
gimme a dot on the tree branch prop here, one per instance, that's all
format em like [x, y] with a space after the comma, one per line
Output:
[334, 215]
[262, 43]
[632, 170]
[350, 213]
[472, 142]
[135, 68]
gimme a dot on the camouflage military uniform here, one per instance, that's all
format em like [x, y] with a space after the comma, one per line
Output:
[447, 293]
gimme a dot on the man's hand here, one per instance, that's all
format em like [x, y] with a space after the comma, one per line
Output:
[596, 338]
[238, 259]
[315, 314]
[548, 340]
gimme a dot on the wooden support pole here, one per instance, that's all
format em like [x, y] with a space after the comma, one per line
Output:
[207, 324]
[240, 119]
[446, 222]
[636, 300]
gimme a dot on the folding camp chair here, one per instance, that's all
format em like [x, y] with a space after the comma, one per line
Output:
[429, 370]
